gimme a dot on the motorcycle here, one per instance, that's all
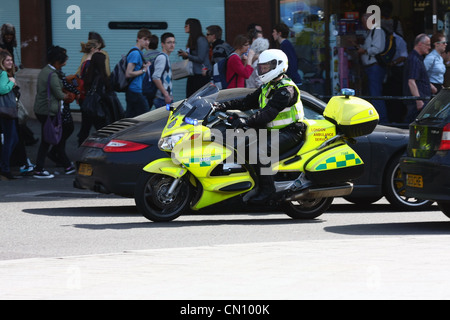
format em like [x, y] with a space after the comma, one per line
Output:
[204, 168]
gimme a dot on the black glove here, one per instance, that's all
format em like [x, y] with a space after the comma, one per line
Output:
[236, 121]
[220, 107]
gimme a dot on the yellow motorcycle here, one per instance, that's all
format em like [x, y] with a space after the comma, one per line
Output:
[205, 164]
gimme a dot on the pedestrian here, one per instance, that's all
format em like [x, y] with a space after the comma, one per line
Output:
[239, 63]
[88, 48]
[374, 44]
[415, 80]
[95, 79]
[434, 63]
[57, 153]
[280, 34]
[151, 51]
[49, 99]
[8, 126]
[255, 26]
[150, 54]
[258, 46]
[137, 103]
[96, 36]
[162, 74]
[8, 40]
[446, 56]
[254, 34]
[197, 51]
[396, 110]
[219, 49]
[389, 23]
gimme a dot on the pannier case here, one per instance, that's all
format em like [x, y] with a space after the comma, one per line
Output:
[353, 116]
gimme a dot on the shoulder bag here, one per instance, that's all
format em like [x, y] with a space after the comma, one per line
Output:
[52, 131]
[92, 103]
[182, 69]
[8, 105]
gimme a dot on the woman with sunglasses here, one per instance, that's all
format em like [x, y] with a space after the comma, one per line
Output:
[434, 63]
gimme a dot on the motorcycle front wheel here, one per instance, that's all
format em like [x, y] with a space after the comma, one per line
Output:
[153, 201]
[307, 208]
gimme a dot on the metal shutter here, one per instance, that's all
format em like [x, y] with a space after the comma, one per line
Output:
[96, 15]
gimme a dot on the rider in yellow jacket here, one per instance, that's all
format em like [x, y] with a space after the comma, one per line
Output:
[279, 108]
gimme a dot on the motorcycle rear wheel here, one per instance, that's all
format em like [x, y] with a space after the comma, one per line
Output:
[152, 201]
[308, 208]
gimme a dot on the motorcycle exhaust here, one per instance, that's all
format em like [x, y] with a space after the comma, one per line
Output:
[327, 192]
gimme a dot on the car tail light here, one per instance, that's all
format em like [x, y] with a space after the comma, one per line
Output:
[445, 141]
[92, 144]
[124, 146]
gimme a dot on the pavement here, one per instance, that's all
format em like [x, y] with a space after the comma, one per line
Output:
[358, 269]
[403, 267]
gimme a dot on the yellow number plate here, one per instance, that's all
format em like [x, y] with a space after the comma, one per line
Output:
[414, 180]
[85, 169]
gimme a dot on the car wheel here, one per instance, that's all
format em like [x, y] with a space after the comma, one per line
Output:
[445, 208]
[307, 209]
[152, 201]
[394, 189]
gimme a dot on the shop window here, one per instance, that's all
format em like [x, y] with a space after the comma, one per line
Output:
[306, 22]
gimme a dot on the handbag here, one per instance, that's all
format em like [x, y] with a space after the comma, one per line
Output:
[182, 69]
[52, 130]
[22, 113]
[8, 105]
[92, 104]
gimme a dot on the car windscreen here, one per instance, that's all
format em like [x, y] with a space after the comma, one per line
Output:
[438, 108]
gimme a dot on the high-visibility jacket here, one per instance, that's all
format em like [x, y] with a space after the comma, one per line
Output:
[288, 115]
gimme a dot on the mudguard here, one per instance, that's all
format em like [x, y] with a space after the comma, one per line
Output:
[166, 166]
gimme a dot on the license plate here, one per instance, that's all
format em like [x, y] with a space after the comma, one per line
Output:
[414, 180]
[85, 169]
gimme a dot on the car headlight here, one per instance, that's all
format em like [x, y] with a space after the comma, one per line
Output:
[169, 142]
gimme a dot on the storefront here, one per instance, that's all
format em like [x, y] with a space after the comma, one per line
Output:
[118, 23]
[322, 31]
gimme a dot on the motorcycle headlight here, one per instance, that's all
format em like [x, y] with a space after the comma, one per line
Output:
[169, 142]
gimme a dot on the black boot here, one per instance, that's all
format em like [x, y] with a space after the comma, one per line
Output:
[266, 189]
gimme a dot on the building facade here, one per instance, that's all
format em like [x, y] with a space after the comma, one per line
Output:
[320, 30]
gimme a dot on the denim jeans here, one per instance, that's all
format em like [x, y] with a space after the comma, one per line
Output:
[137, 104]
[158, 103]
[10, 140]
[375, 78]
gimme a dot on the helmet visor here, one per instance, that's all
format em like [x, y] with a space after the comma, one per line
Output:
[265, 67]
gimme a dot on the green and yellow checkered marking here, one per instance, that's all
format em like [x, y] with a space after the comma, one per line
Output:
[202, 162]
[342, 161]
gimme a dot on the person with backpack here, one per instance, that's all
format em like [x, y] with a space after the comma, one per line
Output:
[137, 104]
[162, 72]
[151, 52]
[219, 49]
[374, 44]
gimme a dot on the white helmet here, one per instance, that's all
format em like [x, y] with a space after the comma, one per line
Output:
[272, 63]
